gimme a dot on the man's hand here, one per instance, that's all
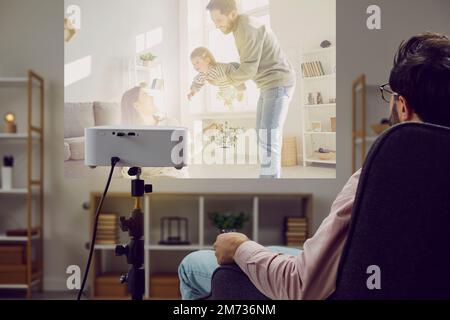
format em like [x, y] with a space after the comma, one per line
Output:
[226, 245]
[190, 95]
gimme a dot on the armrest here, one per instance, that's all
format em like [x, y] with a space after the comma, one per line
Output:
[229, 282]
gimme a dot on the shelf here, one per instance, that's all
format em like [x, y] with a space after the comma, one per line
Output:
[146, 69]
[15, 82]
[21, 191]
[105, 246]
[173, 248]
[321, 161]
[16, 136]
[319, 106]
[319, 51]
[328, 76]
[5, 238]
[368, 139]
[320, 133]
[111, 298]
[35, 275]
[14, 191]
[225, 115]
[196, 207]
[31, 134]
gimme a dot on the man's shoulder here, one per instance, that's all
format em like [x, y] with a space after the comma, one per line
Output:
[247, 23]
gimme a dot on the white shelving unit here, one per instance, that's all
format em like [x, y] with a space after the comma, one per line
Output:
[267, 213]
[31, 192]
[138, 74]
[326, 85]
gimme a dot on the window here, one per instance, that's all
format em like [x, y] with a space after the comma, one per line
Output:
[224, 50]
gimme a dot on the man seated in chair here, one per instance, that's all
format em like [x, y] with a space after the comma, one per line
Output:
[418, 90]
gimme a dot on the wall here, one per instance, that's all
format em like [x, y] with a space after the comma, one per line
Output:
[108, 35]
[31, 36]
[372, 52]
[301, 28]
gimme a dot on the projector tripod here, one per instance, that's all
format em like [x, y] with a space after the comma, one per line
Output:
[134, 250]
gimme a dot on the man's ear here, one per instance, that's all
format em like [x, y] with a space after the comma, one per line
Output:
[233, 15]
[404, 109]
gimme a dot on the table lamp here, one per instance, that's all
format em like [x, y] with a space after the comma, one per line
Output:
[10, 123]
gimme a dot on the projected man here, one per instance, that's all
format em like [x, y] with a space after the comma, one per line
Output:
[264, 62]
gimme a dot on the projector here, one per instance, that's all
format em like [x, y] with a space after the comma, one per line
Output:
[136, 146]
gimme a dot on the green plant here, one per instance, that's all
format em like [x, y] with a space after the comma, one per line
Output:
[226, 136]
[229, 220]
[147, 56]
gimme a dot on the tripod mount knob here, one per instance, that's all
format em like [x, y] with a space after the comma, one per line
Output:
[148, 188]
[124, 278]
[122, 250]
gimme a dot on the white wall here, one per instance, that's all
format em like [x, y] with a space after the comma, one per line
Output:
[108, 35]
[372, 52]
[31, 36]
[301, 25]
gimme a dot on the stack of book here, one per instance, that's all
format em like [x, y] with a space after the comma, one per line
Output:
[312, 69]
[296, 231]
[107, 229]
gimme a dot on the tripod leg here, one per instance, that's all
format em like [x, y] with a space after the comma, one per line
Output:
[136, 283]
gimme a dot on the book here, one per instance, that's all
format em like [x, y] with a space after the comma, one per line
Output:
[107, 227]
[310, 70]
[106, 242]
[305, 75]
[295, 234]
[321, 68]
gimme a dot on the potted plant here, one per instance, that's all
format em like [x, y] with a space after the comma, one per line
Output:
[228, 221]
[226, 137]
[147, 59]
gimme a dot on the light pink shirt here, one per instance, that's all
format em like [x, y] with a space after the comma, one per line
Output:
[312, 274]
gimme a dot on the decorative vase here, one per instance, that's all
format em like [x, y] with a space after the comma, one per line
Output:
[227, 230]
[6, 178]
[147, 63]
[319, 99]
[311, 100]
[8, 163]
[10, 128]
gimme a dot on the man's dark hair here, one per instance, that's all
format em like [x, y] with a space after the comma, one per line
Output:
[224, 6]
[421, 74]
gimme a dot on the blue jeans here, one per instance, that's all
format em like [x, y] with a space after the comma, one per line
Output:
[273, 106]
[196, 269]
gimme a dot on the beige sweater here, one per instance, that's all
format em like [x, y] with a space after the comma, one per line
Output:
[262, 58]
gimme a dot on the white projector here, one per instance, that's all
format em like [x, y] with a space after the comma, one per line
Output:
[136, 146]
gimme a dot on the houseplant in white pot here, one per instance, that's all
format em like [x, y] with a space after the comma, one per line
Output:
[147, 59]
[228, 221]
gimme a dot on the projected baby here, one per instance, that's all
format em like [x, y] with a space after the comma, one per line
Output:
[216, 74]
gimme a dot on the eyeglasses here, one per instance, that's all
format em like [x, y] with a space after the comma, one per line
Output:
[387, 93]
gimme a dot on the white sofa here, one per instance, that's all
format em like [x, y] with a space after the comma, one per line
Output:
[77, 117]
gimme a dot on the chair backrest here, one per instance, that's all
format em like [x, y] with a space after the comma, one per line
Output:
[398, 246]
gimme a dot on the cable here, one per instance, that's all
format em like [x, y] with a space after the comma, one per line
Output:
[114, 162]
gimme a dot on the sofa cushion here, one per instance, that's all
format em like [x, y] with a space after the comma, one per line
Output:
[76, 146]
[66, 151]
[107, 114]
[77, 117]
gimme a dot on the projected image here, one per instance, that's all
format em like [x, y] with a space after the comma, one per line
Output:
[258, 99]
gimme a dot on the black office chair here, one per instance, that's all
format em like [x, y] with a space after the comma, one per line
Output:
[400, 223]
[401, 218]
